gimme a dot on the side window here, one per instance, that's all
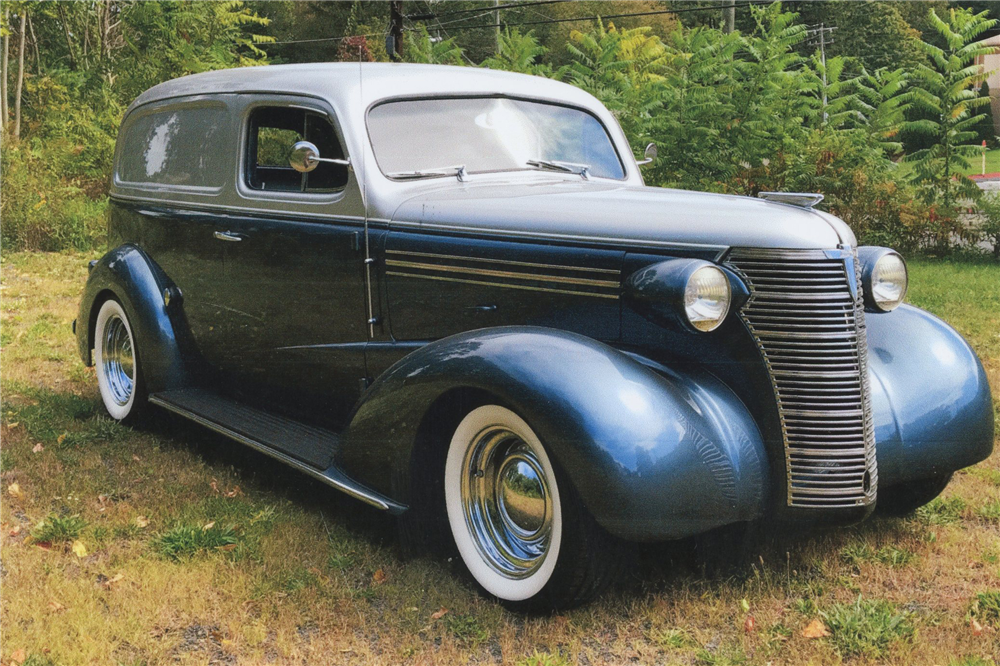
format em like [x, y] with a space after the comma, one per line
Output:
[273, 132]
[183, 146]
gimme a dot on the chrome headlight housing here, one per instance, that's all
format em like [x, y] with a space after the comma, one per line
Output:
[883, 277]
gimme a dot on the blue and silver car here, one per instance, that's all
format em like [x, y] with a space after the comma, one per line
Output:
[448, 293]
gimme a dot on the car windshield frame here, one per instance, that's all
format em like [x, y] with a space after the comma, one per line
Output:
[517, 98]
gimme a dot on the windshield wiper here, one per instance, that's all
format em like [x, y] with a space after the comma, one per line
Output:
[564, 167]
[458, 171]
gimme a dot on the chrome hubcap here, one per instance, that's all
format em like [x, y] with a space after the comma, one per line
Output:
[507, 503]
[118, 360]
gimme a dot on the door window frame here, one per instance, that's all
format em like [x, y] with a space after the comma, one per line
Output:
[257, 197]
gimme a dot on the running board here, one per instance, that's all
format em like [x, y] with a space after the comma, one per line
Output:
[303, 447]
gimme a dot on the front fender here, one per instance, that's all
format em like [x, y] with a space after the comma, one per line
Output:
[931, 402]
[127, 274]
[652, 453]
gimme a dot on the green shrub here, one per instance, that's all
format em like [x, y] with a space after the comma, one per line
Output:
[58, 529]
[867, 628]
[185, 541]
[986, 607]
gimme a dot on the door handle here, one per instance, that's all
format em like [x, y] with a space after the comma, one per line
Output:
[228, 236]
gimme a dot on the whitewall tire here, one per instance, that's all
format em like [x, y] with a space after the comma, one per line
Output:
[117, 363]
[503, 504]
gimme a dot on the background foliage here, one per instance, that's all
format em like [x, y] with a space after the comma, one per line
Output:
[745, 112]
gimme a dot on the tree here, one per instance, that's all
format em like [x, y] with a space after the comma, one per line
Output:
[422, 48]
[946, 91]
[22, 34]
[519, 53]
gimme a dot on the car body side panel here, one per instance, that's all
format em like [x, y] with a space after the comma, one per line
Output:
[653, 454]
[129, 275]
[930, 397]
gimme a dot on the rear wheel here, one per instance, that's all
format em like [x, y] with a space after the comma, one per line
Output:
[116, 360]
[518, 526]
[905, 498]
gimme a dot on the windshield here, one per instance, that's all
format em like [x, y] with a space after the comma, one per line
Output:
[487, 134]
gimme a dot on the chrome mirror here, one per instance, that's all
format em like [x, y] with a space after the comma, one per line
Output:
[304, 157]
[648, 155]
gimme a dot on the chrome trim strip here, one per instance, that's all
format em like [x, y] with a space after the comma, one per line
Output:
[508, 274]
[352, 490]
[617, 242]
[523, 287]
[508, 262]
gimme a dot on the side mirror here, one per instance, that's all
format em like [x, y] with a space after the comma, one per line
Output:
[304, 157]
[648, 155]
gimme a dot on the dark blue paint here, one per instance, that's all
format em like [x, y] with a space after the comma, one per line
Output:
[654, 454]
[930, 397]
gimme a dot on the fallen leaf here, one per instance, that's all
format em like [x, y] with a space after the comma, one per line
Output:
[749, 625]
[136, 458]
[215, 486]
[815, 629]
[106, 583]
[208, 526]
[977, 629]
[102, 498]
[38, 448]
[745, 605]
[379, 577]
[79, 549]
[234, 492]
[61, 438]
[440, 614]
[56, 607]
[44, 545]
[14, 531]
[14, 490]
[19, 656]
[13, 425]
[141, 521]
[228, 546]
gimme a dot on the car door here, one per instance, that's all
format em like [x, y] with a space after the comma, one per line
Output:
[294, 269]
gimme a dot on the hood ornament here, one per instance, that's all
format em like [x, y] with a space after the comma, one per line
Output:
[800, 199]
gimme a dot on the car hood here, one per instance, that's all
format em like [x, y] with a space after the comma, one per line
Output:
[602, 212]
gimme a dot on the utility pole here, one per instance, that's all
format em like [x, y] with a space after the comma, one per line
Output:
[824, 36]
[729, 17]
[20, 74]
[496, 22]
[395, 41]
[4, 86]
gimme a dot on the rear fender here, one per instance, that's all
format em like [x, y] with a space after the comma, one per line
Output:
[652, 453]
[130, 276]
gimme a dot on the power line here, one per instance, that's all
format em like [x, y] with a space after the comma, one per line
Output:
[480, 10]
[611, 16]
[324, 39]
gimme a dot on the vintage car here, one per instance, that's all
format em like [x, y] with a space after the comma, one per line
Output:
[448, 293]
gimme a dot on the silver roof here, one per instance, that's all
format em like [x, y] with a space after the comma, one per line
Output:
[366, 82]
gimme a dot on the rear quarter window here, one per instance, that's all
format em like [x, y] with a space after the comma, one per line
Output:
[181, 146]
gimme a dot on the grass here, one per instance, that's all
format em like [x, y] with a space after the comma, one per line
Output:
[975, 164]
[868, 628]
[292, 572]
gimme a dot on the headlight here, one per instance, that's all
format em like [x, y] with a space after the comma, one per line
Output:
[884, 278]
[706, 298]
[691, 295]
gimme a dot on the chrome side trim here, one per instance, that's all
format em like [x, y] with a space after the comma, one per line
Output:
[342, 485]
[523, 287]
[508, 274]
[508, 262]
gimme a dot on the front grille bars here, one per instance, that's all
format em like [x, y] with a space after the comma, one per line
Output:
[806, 315]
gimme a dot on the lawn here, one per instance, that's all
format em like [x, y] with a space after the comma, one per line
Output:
[170, 544]
[975, 164]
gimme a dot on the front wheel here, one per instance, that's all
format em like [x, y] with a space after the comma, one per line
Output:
[518, 526]
[117, 363]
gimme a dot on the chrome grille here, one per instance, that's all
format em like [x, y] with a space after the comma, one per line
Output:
[810, 330]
